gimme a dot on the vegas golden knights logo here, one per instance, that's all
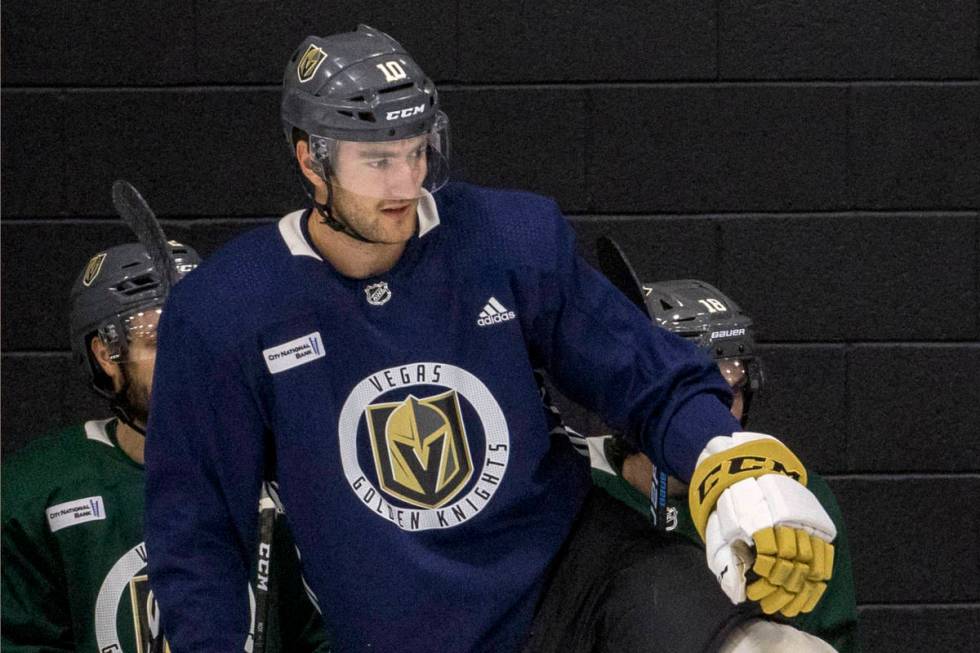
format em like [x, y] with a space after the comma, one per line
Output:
[420, 449]
[309, 62]
[146, 615]
[93, 268]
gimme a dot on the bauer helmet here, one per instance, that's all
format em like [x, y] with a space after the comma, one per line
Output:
[701, 313]
[362, 86]
[698, 311]
[110, 298]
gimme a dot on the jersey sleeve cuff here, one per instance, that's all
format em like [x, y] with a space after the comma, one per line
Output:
[698, 419]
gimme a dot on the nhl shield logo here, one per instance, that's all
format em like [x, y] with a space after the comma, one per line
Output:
[93, 268]
[378, 293]
[420, 448]
[309, 63]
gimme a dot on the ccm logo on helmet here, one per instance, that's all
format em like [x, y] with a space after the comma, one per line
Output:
[405, 113]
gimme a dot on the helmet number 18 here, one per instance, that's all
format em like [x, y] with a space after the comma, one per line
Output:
[713, 305]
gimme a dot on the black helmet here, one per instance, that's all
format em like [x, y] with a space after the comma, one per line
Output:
[357, 86]
[114, 286]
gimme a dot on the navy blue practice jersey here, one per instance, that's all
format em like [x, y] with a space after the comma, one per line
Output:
[402, 418]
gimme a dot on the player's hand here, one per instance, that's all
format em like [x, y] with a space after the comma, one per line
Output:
[750, 504]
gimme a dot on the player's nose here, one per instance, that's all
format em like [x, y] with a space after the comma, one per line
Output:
[405, 179]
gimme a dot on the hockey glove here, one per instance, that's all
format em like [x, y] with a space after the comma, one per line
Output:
[750, 504]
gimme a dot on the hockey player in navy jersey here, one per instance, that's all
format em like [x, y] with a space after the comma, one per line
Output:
[375, 352]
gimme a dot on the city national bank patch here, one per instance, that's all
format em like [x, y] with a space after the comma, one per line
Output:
[288, 355]
[72, 513]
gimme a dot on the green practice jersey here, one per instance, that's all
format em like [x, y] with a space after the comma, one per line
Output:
[834, 620]
[74, 562]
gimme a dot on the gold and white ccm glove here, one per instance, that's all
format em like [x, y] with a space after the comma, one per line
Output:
[750, 504]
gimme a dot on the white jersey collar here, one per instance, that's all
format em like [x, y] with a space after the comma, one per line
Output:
[292, 232]
[428, 213]
[291, 229]
[95, 430]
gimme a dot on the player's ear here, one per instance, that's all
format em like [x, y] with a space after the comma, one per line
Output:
[307, 165]
[101, 354]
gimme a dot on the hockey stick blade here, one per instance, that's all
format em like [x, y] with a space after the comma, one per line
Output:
[618, 270]
[134, 210]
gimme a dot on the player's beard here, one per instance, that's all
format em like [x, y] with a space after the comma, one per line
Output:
[364, 216]
[138, 401]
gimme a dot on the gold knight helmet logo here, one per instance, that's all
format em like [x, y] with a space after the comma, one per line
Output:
[309, 63]
[93, 268]
[420, 448]
[146, 616]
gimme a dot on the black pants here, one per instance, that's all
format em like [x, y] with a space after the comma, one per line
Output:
[618, 586]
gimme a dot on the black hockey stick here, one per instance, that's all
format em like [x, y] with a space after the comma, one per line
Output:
[617, 268]
[134, 210]
[263, 574]
[263, 569]
[136, 213]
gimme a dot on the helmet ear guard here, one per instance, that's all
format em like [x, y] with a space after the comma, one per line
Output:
[320, 165]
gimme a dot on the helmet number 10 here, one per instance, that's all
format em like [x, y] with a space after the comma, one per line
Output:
[392, 70]
[713, 305]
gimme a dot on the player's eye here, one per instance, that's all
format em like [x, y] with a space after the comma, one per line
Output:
[378, 164]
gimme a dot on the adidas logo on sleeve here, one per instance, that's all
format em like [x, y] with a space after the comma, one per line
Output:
[494, 313]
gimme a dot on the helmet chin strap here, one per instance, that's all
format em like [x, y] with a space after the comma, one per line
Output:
[119, 403]
[747, 393]
[325, 209]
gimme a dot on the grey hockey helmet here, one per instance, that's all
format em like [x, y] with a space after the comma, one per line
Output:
[112, 297]
[363, 87]
[698, 311]
[701, 313]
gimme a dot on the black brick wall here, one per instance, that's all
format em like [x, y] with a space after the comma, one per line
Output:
[820, 162]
